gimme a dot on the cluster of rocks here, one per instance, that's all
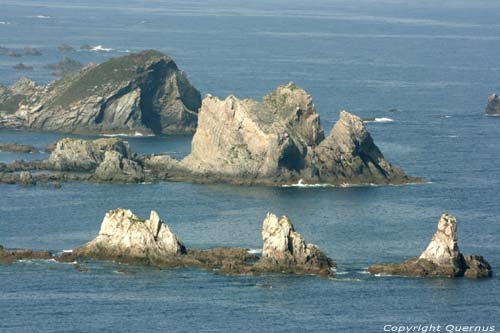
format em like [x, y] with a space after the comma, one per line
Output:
[17, 148]
[141, 92]
[125, 238]
[442, 258]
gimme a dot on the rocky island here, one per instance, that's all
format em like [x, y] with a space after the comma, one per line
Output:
[442, 258]
[143, 92]
[278, 141]
[125, 238]
[493, 107]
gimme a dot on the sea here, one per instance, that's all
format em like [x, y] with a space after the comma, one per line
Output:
[421, 70]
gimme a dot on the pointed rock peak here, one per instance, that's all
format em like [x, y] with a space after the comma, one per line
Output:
[352, 123]
[443, 248]
[154, 217]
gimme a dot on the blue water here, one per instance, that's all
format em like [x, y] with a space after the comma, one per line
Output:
[425, 58]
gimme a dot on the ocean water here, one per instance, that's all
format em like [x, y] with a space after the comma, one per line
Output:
[435, 62]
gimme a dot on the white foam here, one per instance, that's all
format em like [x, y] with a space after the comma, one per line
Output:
[4, 23]
[301, 183]
[255, 251]
[100, 48]
[67, 251]
[379, 120]
[136, 134]
[342, 273]
[43, 17]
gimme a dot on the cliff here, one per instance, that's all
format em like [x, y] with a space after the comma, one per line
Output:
[141, 92]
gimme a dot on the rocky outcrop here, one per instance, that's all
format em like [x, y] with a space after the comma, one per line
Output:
[143, 92]
[108, 159]
[493, 107]
[17, 148]
[9, 256]
[441, 258]
[284, 250]
[127, 238]
[280, 141]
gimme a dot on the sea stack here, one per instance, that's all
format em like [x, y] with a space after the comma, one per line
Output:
[141, 92]
[441, 258]
[493, 107]
[279, 140]
[284, 250]
[126, 238]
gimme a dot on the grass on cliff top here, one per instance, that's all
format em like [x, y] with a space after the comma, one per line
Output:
[101, 79]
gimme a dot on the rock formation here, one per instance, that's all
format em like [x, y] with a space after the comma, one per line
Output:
[144, 92]
[280, 141]
[9, 256]
[17, 148]
[493, 107]
[441, 258]
[125, 237]
[284, 250]
[108, 159]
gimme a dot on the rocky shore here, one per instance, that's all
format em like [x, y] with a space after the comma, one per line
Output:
[442, 258]
[142, 92]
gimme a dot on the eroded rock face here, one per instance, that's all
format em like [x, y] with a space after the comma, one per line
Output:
[144, 92]
[249, 138]
[280, 140]
[349, 155]
[441, 258]
[125, 237]
[493, 107]
[285, 250]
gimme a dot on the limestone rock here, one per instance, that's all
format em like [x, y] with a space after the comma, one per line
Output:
[117, 168]
[144, 92]
[248, 138]
[125, 237]
[493, 107]
[441, 258]
[279, 140]
[285, 250]
[349, 155]
[85, 155]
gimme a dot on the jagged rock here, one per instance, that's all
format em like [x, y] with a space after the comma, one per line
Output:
[12, 97]
[477, 267]
[85, 155]
[9, 256]
[284, 250]
[349, 155]
[493, 107]
[116, 168]
[141, 92]
[280, 140]
[26, 178]
[17, 148]
[126, 238]
[441, 258]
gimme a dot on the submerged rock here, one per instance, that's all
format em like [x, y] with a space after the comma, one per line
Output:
[125, 237]
[284, 250]
[65, 66]
[17, 148]
[144, 92]
[493, 107]
[9, 256]
[280, 141]
[441, 258]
